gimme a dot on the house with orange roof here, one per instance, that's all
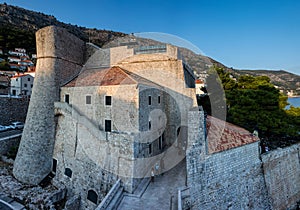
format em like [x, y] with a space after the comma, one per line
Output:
[199, 84]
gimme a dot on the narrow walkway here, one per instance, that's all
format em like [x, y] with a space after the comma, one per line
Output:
[158, 193]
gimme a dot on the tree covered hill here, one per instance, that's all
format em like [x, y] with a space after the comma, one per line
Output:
[284, 80]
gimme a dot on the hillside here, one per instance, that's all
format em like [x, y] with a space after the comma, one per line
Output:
[18, 26]
[285, 81]
[30, 21]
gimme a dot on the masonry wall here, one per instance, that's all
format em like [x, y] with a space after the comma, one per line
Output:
[96, 158]
[282, 174]
[231, 179]
[240, 178]
[13, 109]
[123, 112]
[9, 144]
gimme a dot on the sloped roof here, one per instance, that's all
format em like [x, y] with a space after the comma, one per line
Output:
[20, 75]
[106, 77]
[222, 135]
[101, 77]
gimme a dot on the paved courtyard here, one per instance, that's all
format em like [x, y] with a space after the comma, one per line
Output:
[158, 193]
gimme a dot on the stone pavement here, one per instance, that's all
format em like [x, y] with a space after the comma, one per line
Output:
[158, 193]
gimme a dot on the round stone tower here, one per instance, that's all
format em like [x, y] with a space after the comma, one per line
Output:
[60, 57]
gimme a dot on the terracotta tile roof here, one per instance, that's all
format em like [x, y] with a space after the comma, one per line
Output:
[222, 135]
[31, 68]
[199, 81]
[102, 77]
[106, 77]
[19, 75]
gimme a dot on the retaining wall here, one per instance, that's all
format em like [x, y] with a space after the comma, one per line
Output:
[7, 144]
[13, 109]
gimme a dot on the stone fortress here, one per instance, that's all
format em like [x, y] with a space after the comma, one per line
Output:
[101, 118]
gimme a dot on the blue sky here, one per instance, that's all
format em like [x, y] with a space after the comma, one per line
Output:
[243, 34]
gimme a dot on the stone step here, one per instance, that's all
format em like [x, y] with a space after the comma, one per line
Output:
[116, 200]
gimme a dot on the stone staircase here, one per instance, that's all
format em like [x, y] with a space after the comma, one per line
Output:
[113, 197]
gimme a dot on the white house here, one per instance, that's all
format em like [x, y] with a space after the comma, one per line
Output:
[21, 85]
[18, 52]
[13, 59]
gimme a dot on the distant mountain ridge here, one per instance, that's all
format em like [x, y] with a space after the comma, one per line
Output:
[17, 17]
[285, 81]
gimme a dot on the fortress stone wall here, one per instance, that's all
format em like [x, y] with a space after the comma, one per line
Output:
[240, 178]
[282, 174]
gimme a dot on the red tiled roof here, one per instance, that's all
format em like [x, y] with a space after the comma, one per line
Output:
[199, 81]
[19, 75]
[222, 135]
[31, 68]
[102, 77]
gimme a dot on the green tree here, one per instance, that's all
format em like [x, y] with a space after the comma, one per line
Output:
[255, 103]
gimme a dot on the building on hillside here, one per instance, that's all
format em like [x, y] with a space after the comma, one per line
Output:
[26, 57]
[30, 70]
[13, 59]
[14, 66]
[25, 63]
[18, 52]
[21, 85]
[134, 107]
[199, 85]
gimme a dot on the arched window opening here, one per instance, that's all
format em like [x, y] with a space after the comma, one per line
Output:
[68, 172]
[92, 196]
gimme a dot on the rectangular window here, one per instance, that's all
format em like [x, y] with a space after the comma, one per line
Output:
[158, 99]
[31, 85]
[160, 143]
[25, 85]
[28, 79]
[149, 100]
[149, 125]
[54, 165]
[67, 98]
[108, 100]
[88, 99]
[150, 149]
[107, 125]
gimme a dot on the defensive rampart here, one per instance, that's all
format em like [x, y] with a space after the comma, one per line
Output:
[240, 178]
[282, 174]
